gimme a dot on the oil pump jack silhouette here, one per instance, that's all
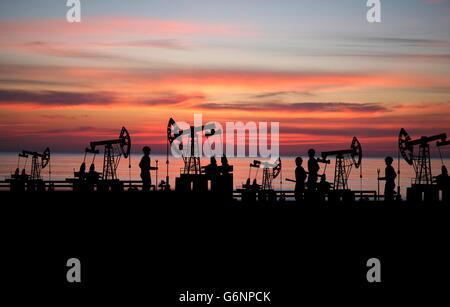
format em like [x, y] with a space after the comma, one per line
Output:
[441, 144]
[38, 162]
[270, 172]
[345, 160]
[113, 150]
[191, 177]
[33, 180]
[422, 188]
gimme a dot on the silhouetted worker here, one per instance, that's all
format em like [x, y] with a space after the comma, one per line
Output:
[389, 177]
[23, 176]
[225, 167]
[212, 169]
[300, 177]
[225, 179]
[145, 169]
[255, 185]
[212, 172]
[247, 184]
[24, 180]
[91, 178]
[323, 187]
[81, 175]
[163, 186]
[16, 182]
[145, 166]
[82, 171]
[92, 171]
[313, 170]
[249, 195]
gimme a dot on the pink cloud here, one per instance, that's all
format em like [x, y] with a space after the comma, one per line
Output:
[139, 81]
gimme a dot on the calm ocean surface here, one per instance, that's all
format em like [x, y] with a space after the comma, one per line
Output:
[63, 165]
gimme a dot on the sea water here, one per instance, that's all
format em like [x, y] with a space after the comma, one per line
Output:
[63, 165]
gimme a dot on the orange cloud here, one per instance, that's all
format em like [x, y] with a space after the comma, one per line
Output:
[221, 87]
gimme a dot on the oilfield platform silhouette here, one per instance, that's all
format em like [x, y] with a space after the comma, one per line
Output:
[214, 183]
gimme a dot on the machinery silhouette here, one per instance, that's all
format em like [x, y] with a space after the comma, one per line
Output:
[441, 144]
[173, 133]
[215, 182]
[265, 191]
[113, 150]
[422, 161]
[422, 187]
[191, 177]
[38, 162]
[270, 172]
[345, 160]
[33, 181]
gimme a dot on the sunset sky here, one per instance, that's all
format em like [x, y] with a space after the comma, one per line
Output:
[317, 67]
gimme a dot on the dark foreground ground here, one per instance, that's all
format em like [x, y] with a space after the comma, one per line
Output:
[135, 248]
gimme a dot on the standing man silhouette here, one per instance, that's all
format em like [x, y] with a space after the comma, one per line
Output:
[225, 168]
[212, 168]
[145, 169]
[212, 173]
[389, 177]
[313, 170]
[300, 177]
